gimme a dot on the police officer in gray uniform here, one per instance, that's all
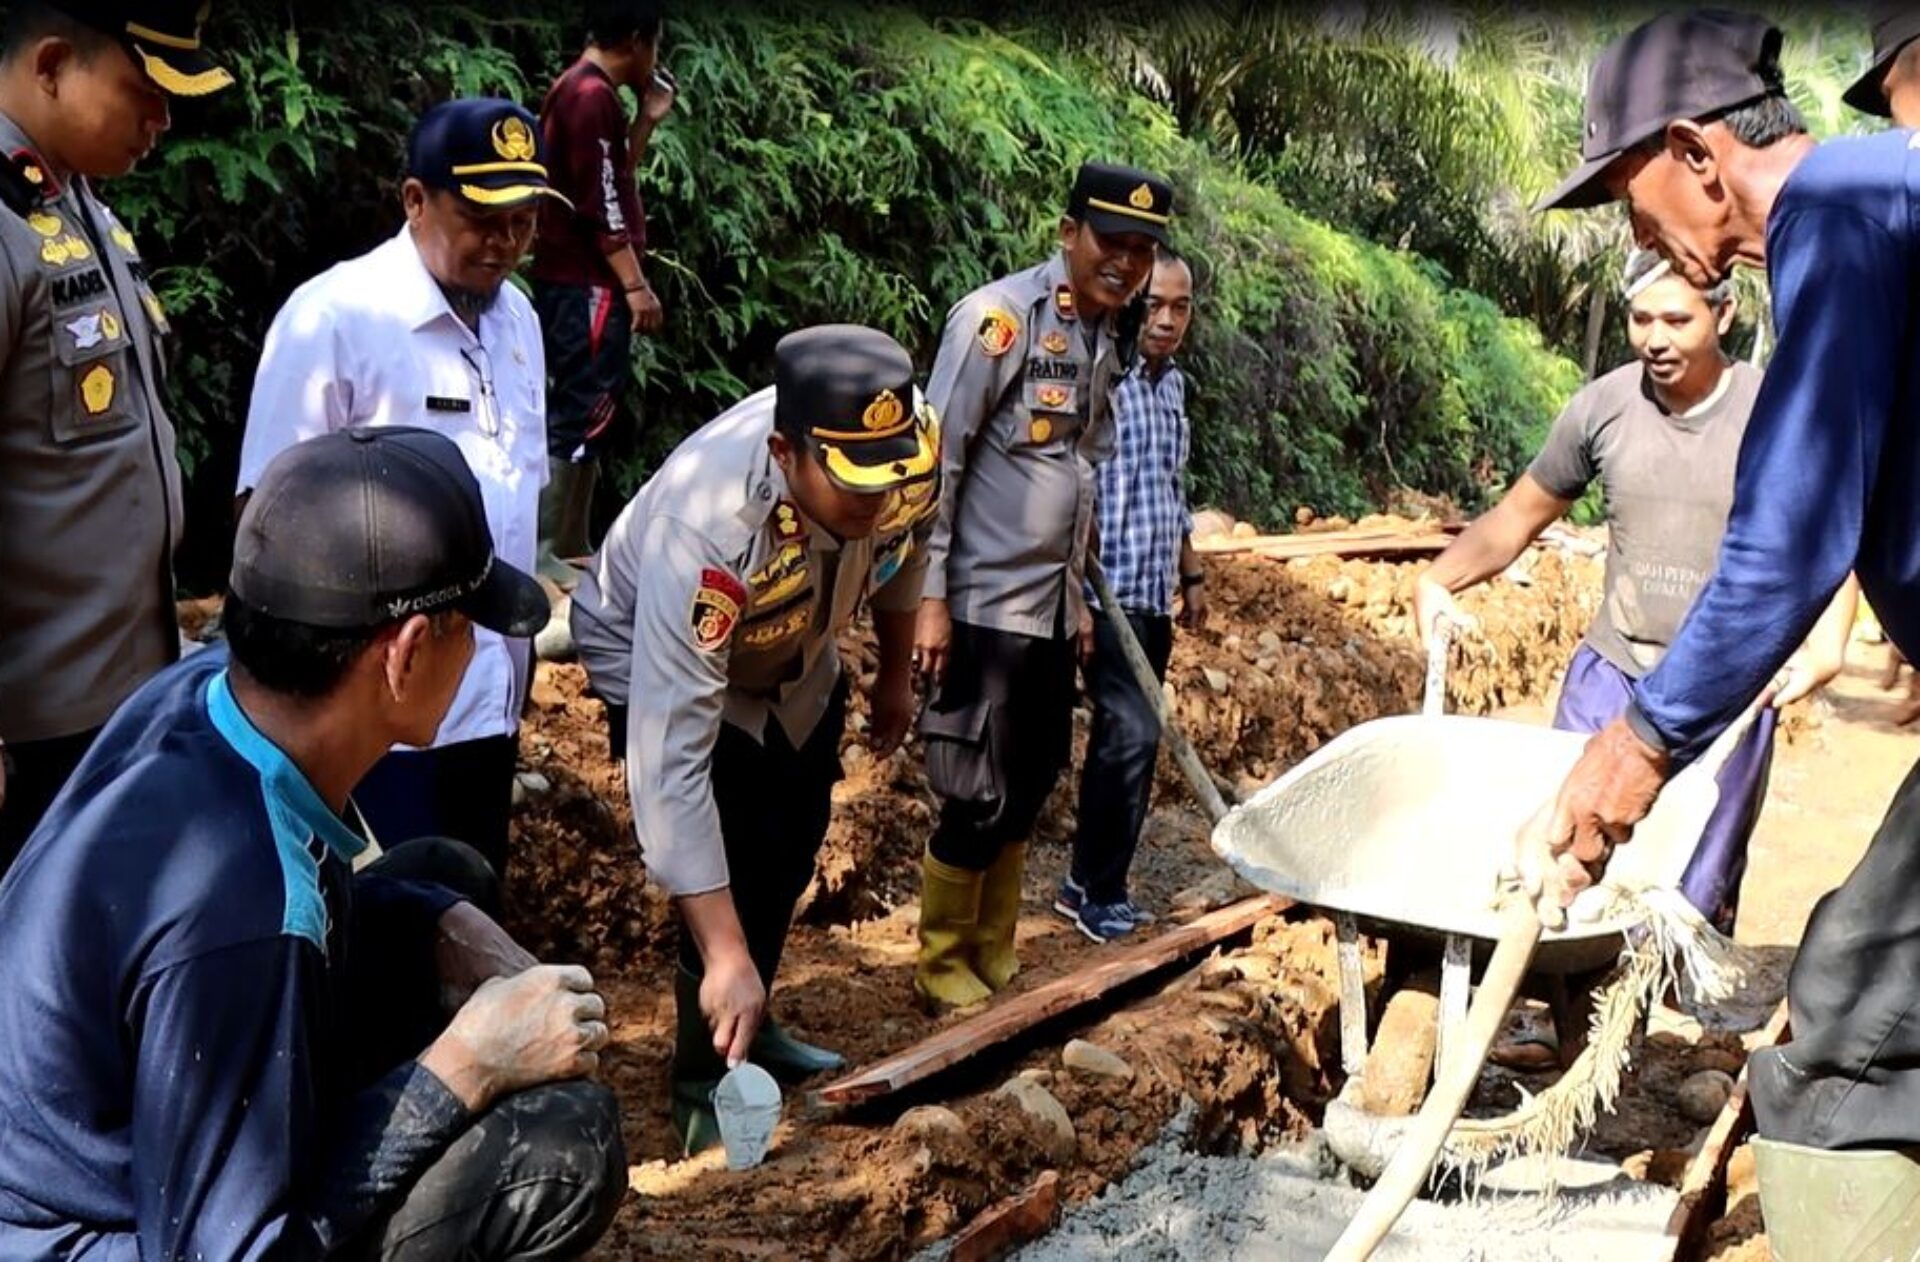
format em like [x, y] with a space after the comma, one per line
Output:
[708, 624]
[1022, 380]
[90, 500]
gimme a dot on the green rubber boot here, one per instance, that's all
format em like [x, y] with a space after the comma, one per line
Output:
[697, 1069]
[994, 959]
[565, 505]
[949, 911]
[788, 1058]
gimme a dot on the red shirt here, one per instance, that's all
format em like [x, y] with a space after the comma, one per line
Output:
[585, 127]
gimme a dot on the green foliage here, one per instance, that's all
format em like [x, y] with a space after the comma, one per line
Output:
[829, 164]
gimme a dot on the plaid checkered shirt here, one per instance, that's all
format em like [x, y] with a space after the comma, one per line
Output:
[1141, 497]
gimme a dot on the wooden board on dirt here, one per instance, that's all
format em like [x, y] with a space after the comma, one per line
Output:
[1356, 544]
[1006, 1225]
[1703, 1193]
[1088, 986]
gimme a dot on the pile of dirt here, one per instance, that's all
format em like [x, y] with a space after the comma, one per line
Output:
[1297, 652]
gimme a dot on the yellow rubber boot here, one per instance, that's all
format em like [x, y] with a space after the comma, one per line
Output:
[994, 960]
[949, 908]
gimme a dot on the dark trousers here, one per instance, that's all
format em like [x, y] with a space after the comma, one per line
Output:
[589, 344]
[1850, 1077]
[998, 732]
[463, 791]
[36, 772]
[774, 803]
[1116, 784]
[540, 1174]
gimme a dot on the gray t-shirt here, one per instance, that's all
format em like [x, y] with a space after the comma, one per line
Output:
[1668, 482]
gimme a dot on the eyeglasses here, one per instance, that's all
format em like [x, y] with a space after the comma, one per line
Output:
[482, 367]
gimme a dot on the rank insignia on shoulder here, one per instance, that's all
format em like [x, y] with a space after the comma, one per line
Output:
[1054, 343]
[1063, 303]
[716, 608]
[998, 332]
[97, 389]
[46, 225]
[786, 520]
[123, 239]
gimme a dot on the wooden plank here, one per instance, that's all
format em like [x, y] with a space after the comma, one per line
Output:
[1329, 543]
[1703, 1193]
[966, 1039]
[1006, 1225]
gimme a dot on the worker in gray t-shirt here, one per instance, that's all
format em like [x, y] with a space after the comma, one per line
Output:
[1661, 435]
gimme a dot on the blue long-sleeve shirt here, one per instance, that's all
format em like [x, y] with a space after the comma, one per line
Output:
[176, 1076]
[1829, 474]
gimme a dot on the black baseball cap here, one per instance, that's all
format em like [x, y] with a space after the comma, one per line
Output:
[1894, 27]
[847, 391]
[163, 38]
[366, 526]
[1114, 199]
[1692, 65]
[487, 150]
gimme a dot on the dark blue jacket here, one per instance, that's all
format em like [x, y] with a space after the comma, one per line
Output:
[175, 1079]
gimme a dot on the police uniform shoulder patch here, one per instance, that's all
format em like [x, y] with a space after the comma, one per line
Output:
[97, 387]
[998, 332]
[716, 608]
[46, 225]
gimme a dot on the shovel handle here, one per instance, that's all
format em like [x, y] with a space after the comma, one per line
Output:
[1413, 1161]
[1182, 750]
[1433, 699]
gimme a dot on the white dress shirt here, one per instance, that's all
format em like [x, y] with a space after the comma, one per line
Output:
[373, 341]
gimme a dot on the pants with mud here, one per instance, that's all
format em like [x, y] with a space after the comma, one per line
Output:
[1850, 1076]
[998, 733]
[537, 1176]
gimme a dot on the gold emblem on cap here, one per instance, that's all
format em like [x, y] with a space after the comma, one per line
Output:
[513, 140]
[1141, 198]
[884, 412]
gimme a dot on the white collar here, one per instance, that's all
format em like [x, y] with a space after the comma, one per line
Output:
[419, 296]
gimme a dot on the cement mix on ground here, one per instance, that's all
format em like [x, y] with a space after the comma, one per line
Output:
[1290, 1206]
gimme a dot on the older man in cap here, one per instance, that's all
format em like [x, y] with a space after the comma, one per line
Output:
[425, 330]
[1023, 379]
[1689, 125]
[708, 624]
[216, 1039]
[90, 503]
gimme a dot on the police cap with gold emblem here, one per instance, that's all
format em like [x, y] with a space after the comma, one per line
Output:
[848, 393]
[163, 37]
[485, 150]
[1115, 199]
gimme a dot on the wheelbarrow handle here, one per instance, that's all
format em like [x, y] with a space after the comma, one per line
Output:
[1182, 750]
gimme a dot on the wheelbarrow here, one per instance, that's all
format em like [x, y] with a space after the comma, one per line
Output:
[1404, 826]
